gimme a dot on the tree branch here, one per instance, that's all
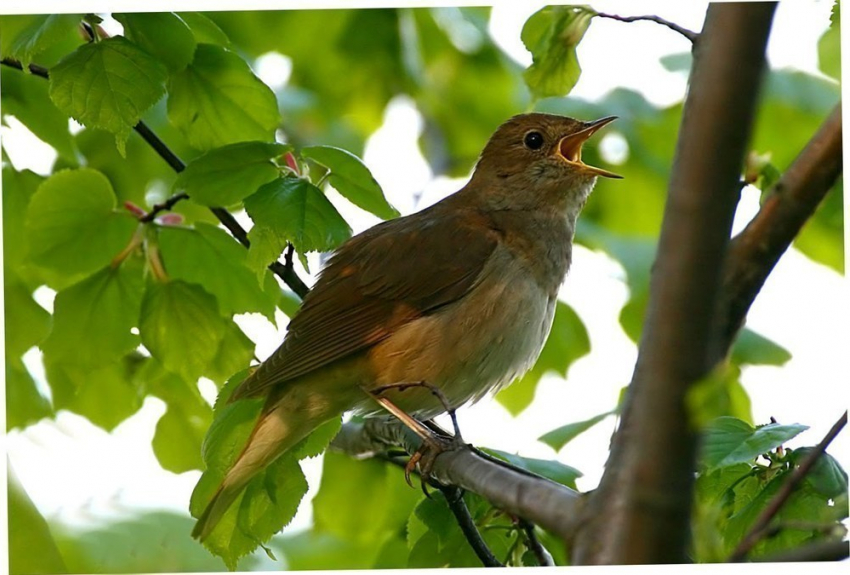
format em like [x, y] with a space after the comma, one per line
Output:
[543, 556]
[689, 34]
[760, 527]
[792, 201]
[454, 499]
[286, 273]
[641, 511]
[524, 494]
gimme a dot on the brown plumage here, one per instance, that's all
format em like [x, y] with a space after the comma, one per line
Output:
[460, 295]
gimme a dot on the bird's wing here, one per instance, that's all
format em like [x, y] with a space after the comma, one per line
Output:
[356, 303]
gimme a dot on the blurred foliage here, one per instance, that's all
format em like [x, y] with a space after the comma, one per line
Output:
[147, 308]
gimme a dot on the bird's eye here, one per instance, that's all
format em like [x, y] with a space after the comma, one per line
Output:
[533, 140]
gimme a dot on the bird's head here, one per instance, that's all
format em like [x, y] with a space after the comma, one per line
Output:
[534, 160]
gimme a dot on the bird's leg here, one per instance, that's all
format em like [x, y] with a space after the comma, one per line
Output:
[433, 443]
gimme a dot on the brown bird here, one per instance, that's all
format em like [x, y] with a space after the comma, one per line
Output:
[460, 295]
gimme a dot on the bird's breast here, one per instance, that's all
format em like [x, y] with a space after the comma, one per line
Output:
[477, 344]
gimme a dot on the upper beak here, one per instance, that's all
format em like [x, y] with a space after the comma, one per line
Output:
[569, 148]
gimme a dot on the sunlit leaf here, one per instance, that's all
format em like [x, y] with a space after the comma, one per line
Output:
[728, 441]
[205, 30]
[72, 224]
[226, 175]
[829, 45]
[161, 34]
[352, 179]
[558, 438]
[29, 531]
[551, 35]
[217, 100]
[108, 84]
[24, 36]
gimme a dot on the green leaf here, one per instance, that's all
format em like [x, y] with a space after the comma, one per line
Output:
[728, 441]
[180, 432]
[25, 97]
[72, 225]
[27, 323]
[567, 342]
[558, 438]
[750, 348]
[234, 354]
[31, 545]
[109, 85]
[181, 327]
[210, 257]
[829, 45]
[226, 175]
[291, 210]
[826, 476]
[216, 101]
[92, 319]
[162, 35]
[18, 189]
[554, 470]
[310, 550]
[718, 394]
[25, 404]
[26, 36]
[551, 35]
[352, 179]
[318, 440]
[205, 30]
[106, 395]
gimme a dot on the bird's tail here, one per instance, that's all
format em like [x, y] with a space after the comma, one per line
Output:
[280, 426]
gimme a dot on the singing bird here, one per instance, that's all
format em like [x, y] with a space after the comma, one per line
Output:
[460, 295]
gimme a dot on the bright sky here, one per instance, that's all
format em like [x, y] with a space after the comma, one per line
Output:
[803, 306]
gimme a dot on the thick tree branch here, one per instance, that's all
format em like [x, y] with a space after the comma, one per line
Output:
[641, 511]
[537, 499]
[792, 201]
[761, 526]
[286, 273]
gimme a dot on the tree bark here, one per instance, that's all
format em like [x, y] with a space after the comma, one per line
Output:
[641, 511]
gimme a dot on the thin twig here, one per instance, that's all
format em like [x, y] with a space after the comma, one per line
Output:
[761, 527]
[454, 499]
[544, 558]
[689, 34]
[287, 274]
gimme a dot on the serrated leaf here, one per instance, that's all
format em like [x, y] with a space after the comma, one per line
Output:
[24, 37]
[826, 476]
[352, 179]
[25, 97]
[216, 101]
[205, 30]
[108, 84]
[558, 438]
[567, 341]
[751, 348]
[162, 35]
[92, 319]
[551, 35]
[729, 440]
[72, 225]
[181, 327]
[106, 394]
[554, 470]
[829, 45]
[210, 257]
[292, 210]
[225, 176]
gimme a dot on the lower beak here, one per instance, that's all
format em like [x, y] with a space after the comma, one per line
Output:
[569, 148]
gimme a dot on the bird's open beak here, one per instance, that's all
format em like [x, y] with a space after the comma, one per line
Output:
[569, 148]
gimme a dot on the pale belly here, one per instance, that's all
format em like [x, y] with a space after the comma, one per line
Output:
[471, 347]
